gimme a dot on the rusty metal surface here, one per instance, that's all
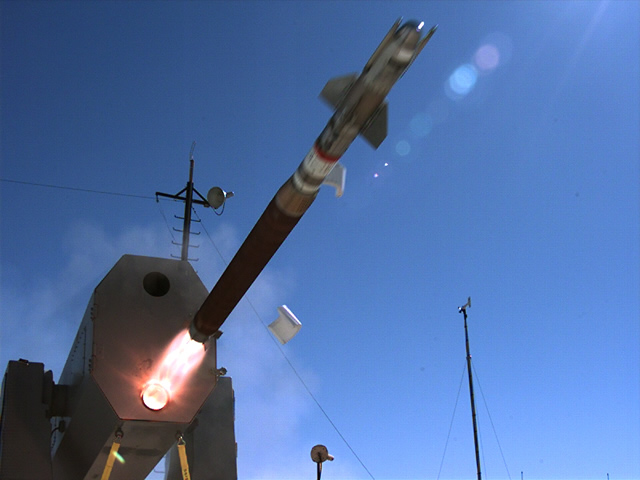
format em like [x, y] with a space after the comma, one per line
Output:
[132, 328]
[85, 447]
[24, 428]
[134, 314]
[269, 232]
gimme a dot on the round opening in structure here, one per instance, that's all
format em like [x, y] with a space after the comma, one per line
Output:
[156, 284]
[155, 396]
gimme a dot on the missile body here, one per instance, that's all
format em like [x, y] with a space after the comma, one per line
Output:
[360, 108]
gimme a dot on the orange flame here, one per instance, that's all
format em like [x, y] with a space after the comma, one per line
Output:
[179, 360]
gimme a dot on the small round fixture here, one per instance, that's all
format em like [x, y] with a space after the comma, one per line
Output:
[155, 396]
[217, 196]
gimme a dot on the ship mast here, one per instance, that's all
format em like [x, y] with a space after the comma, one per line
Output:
[215, 198]
[463, 310]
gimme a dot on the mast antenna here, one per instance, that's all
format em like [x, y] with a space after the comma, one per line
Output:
[463, 310]
[215, 198]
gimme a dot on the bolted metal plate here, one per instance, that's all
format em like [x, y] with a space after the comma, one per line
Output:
[138, 309]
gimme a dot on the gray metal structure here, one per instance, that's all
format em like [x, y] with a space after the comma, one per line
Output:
[25, 430]
[133, 315]
[210, 441]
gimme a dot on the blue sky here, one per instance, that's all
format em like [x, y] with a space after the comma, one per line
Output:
[510, 173]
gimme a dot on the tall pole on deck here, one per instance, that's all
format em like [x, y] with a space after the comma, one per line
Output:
[463, 310]
[186, 195]
[186, 227]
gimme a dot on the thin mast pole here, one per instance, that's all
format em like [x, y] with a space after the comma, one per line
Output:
[189, 201]
[186, 229]
[463, 310]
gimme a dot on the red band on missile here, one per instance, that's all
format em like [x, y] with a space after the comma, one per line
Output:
[323, 156]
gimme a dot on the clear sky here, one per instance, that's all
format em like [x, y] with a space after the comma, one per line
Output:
[510, 174]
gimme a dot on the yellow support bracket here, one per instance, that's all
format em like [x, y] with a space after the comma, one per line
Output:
[106, 473]
[184, 465]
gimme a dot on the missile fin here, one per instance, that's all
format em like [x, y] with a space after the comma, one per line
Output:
[336, 178]
[427, 37]
[375, 131]
[385, 41]
[422, 44]
[336, 89]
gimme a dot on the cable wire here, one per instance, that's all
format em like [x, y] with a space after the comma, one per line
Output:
[491, 421]
[86, 190]
[480, 441]
[224, 260]
[284, 355]
[166, 222]
[313, 397]
[455, 407]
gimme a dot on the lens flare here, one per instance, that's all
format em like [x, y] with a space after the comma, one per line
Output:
[421, 124]
[486, 58]
[403, 148]
[180, 359]
[463, 79]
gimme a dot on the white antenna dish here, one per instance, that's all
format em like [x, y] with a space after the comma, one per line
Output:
[217, 196]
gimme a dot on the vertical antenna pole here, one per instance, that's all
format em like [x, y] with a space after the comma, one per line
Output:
[463, 310]
[189, 201]
[186, 229]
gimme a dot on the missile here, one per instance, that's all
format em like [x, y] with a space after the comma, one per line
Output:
[359, 100]
[360, 108]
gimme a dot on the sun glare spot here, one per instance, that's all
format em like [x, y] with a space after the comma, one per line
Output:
[403, 148]
[499, 42]
[421, 124]
[495, 51]
[463, 79]
[486, 58]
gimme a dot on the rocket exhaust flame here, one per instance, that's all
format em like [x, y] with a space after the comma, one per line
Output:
[181, 357]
